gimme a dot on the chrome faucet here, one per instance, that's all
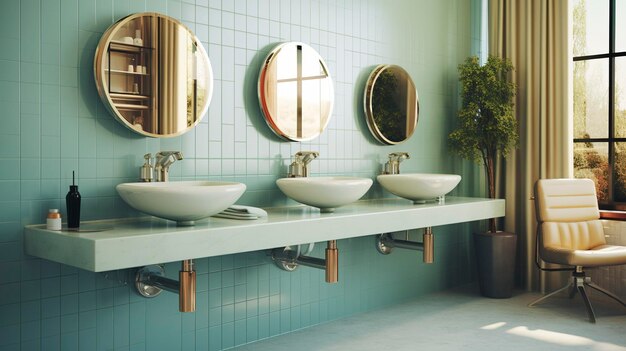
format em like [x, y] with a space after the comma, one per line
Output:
[164, 160]
[299, 167]
[393, 165]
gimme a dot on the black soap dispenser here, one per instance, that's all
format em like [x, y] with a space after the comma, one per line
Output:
[72, 200]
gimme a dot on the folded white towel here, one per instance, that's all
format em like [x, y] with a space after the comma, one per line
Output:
[242, 212]
[229, 216]
[259, 212]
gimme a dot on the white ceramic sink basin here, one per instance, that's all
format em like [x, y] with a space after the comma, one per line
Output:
[183, 202]
[419, 187]
[325, 193]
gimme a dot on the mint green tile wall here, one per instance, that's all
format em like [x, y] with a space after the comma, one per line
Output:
[52, 122]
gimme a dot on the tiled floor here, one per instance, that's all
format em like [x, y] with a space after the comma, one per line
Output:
[462, 320]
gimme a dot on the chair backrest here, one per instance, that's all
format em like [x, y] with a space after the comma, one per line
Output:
[568, 215]
[566, 200]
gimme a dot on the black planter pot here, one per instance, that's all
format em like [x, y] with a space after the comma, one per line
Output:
[495, 254]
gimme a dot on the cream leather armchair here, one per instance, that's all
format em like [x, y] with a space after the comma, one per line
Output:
[570, 233]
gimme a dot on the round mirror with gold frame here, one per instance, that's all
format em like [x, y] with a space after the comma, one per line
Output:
[153, 75]
[391, 104]
[295, 92]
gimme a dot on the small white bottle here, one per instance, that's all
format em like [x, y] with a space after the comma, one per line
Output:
[138, 41]
[53, 222]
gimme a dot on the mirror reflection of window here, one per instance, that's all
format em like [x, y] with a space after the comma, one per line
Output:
[196, 84]
[296, 92]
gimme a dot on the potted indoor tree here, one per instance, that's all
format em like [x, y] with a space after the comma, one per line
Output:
[486, 130]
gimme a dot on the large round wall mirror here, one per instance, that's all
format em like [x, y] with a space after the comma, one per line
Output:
[391, 104]
[153, 75]
[295, 92]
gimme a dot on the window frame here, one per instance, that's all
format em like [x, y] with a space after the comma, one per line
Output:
[611, 140]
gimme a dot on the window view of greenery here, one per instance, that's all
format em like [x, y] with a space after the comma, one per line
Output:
[600, 97]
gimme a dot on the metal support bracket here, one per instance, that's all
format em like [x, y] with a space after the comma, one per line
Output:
[150, 281]
[143, 282]
[385, 243]
[289, 258]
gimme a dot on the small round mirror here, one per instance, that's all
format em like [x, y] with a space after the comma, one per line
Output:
[153, 75]
[295, 92]
[391, 104]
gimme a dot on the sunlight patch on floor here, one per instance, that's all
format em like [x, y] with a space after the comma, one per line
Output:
[493, 326]
[563, 339]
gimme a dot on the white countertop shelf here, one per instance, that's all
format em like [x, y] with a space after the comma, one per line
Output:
[148, 240]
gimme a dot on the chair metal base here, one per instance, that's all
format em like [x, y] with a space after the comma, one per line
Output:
[577, 285]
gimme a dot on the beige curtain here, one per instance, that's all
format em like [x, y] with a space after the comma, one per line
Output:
[533, 34]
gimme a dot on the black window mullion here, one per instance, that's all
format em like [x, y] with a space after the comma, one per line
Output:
[598, 56]
[612, 26]
[599, 140]
[591, 57]
[611, 173]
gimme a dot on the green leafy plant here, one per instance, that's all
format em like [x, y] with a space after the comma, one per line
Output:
[486, 125]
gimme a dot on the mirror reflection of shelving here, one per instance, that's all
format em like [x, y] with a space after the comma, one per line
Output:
[153, 75]
[130, 59]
